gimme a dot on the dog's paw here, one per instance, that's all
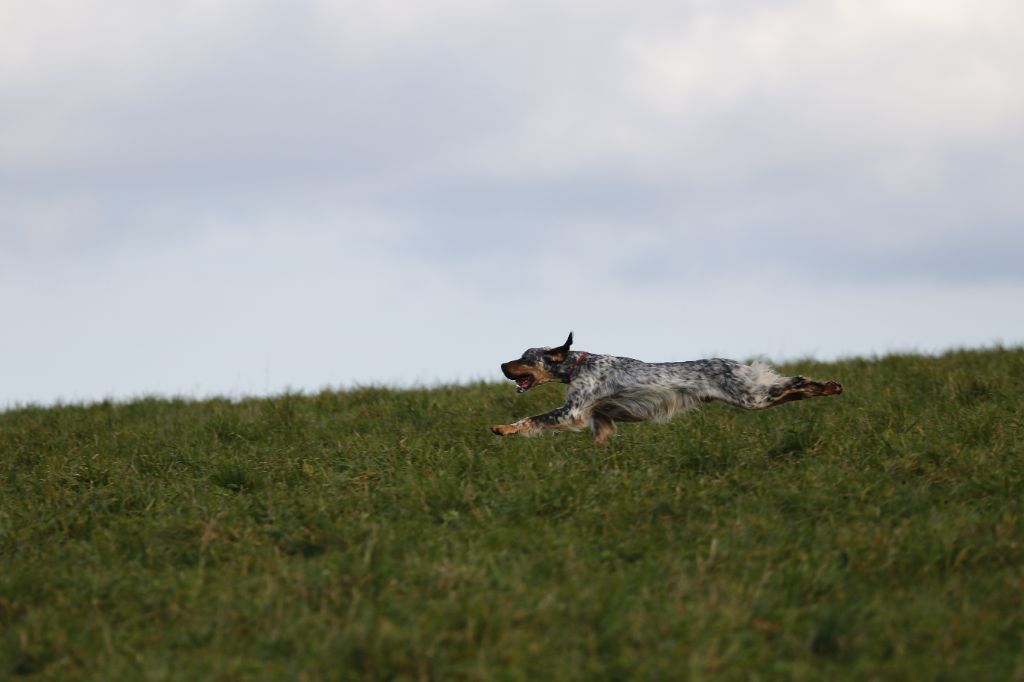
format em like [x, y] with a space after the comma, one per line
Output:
[503, 430]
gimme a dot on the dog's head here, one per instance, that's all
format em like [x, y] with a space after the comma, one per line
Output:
[538, 366]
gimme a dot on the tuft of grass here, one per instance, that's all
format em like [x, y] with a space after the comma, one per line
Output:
[383, 534]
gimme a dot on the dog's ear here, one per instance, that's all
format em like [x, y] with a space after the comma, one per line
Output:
[561, 353]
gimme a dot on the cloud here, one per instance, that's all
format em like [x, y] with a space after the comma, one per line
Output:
[270, 307]
[650, 113]
[412, 161]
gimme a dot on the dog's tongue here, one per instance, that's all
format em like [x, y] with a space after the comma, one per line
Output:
[522, 385]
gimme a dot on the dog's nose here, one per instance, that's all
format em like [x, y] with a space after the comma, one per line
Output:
[504, 369]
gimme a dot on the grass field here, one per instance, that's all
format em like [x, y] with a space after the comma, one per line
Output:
[379, 534]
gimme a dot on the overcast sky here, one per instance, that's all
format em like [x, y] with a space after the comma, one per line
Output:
[218, 197]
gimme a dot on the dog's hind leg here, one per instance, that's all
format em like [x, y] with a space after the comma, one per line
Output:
[603, 427]
[798, 388]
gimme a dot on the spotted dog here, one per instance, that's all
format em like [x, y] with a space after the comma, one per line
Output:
[604, 389]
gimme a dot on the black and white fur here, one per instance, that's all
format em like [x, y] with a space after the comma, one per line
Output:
[605, 389]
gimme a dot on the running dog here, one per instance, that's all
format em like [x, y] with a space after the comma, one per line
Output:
[604, 389]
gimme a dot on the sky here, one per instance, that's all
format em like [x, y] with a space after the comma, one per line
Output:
[226, 198]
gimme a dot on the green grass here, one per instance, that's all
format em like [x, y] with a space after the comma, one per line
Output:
[378, 534]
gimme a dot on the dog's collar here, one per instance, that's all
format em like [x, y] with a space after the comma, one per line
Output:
[573, 370]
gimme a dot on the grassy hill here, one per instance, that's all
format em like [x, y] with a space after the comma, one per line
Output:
[379, 534]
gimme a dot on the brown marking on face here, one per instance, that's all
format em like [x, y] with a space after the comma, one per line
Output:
[526, 374]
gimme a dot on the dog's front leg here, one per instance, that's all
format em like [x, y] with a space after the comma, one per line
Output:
[565, 418]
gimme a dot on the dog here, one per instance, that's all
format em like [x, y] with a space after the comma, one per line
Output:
[605, 389]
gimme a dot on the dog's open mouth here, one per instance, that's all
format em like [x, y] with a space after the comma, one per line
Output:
[523, 383]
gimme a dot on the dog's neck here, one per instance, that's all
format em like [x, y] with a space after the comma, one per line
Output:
[575, 366]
